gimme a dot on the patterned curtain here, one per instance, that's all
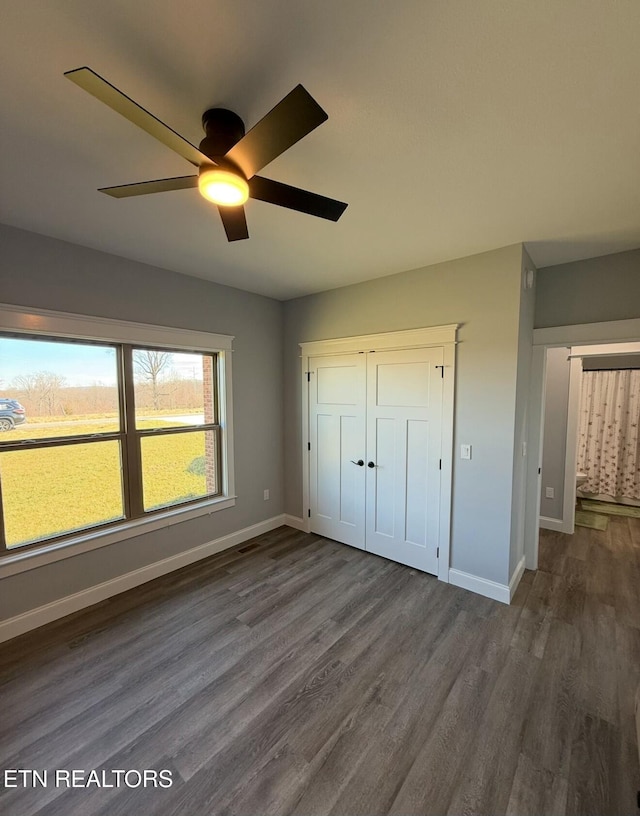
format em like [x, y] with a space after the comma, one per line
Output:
[609, 437]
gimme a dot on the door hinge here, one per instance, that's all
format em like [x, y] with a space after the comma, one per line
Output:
[308, 376]
[440, 467]
[309, 512]
[441, 371]
[308, 445]
[438, 552]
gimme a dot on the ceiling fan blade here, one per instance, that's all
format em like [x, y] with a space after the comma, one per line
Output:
[146, 187]
[291, 119]
[284, 195]
[235, 223]
[94, 84]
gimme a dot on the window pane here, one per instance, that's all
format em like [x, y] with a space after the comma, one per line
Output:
[173, 388]
[178, 467]
[51, 491]
[56, 389]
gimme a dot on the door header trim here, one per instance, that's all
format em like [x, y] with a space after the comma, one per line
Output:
[409, 338]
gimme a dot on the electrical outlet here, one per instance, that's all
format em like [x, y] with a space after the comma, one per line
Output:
[266, 495]
[550, 493]
[465, 451]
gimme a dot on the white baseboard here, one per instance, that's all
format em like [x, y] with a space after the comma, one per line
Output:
[490, 589]
[296, 522]
[87, 597]
[557, 525]
[516, 577]
[481, 586]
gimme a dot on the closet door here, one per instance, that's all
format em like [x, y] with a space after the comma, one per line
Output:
[337, 394]
[404, 433]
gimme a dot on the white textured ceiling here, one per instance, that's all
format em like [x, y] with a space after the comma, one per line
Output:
[455, 126]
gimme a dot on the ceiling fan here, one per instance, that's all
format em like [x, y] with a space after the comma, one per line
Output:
[227, 158]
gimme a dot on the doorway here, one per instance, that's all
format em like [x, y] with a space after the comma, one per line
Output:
[584, 335]
[590, 445]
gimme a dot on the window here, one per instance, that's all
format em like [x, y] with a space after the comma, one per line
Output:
[97, 434]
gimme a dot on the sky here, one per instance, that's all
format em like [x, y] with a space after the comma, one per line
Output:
[79, 364]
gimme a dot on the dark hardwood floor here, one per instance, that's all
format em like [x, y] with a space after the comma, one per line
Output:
[294, 675]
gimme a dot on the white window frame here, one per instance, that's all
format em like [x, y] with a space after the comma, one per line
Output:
[21, 320]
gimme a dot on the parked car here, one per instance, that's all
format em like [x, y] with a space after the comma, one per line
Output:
[11, 414]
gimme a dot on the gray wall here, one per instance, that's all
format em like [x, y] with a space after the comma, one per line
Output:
[555, 431]
[42, 272]
[591, 291]
[483, 294]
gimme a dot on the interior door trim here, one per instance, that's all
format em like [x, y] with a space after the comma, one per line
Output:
[391, 341]
[445, 336]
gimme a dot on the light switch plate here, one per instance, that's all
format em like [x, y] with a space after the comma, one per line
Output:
[550, 493]
[465, 451]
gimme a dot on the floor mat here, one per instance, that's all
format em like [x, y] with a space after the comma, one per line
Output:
[610, 509]
[593, 520]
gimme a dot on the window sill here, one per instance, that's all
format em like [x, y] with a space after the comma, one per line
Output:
[16, 561]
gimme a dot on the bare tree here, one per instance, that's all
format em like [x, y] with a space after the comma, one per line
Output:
[150, 365]
[49, 385]
[27, 384]
[43, 387]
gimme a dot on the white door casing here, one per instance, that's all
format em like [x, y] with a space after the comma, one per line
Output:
[443, 337]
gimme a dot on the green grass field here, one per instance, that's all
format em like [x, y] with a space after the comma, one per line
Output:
[61, 489]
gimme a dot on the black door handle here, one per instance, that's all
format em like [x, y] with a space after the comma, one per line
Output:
[371, 464]
[360, 462]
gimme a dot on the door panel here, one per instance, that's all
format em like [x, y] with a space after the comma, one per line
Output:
[417, 482]
[328, 459]
[403, 384]
[350, 476]
[336, 385]
[404, 428]
[385, 478]
[337, 394]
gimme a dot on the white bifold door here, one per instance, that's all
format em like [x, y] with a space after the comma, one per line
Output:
[375, 431]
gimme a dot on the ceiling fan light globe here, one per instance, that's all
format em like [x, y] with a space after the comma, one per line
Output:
[223, 187]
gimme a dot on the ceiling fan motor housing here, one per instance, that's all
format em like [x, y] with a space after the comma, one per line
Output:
[224, 129]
